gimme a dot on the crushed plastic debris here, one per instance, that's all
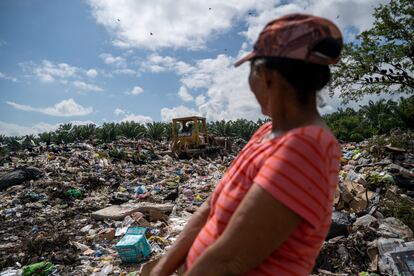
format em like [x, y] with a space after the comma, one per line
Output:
[71, 204]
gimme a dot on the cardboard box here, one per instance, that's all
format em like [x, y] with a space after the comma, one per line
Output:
[134, 247]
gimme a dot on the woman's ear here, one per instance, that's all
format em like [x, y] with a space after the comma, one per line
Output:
[268, 77]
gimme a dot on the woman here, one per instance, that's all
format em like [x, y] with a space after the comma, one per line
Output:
[271, 212]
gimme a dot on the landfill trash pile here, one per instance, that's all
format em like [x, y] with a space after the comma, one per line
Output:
[112, 209]
[65, 208]
[373, 219]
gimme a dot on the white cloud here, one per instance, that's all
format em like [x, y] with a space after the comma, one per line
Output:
[65, 108]
[49, 71]
[346, 14]
[137, 118]
[128, 116]
[136, 90]
[184, 95]
[9, 129]
[205, 70]
[125, 72]
[187, 24]
[119, 112]
[18, 130]
[190, 24]
[227, 95]
[87, 86]
[167, 114]
[158, 64]
[6, 77]
[118, 62]
[333, 103]
[92, 73]
[201, 99]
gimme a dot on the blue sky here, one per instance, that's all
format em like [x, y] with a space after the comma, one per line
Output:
[94, 61]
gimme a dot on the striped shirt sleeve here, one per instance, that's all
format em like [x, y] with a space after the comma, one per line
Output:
[296, 175]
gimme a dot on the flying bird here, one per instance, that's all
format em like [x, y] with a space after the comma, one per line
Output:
[151, 34]
[337, 16]
[119, 20]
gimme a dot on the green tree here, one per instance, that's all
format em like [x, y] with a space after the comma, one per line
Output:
[155, 130]
[107, 132]
[64, 134]
[131, 130]
[405, 112]
[381, 58]
[222, 128]
[244, 129]
[379, 115]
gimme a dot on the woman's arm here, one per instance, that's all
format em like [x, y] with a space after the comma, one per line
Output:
[259, 226]
[176, 255]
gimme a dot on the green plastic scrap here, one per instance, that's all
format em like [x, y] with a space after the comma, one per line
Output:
[367, 274]
[38, 269]
[72, 192]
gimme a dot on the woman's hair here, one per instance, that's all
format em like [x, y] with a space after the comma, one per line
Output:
[306, 78]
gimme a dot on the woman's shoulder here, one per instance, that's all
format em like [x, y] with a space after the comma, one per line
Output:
[315, 135]
[263, 129]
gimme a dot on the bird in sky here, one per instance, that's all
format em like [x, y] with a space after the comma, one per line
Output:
[151, 34]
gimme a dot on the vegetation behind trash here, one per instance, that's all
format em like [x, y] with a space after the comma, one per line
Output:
[347, 124]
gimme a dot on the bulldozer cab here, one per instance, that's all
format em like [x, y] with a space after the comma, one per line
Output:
[189, 133]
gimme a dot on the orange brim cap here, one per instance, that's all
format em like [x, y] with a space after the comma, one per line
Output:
[244, 59]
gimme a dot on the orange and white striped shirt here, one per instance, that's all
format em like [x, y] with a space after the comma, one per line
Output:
[300, 170]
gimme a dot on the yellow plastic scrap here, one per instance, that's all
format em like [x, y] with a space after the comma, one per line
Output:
[106, 259]
[157, 239]
[198, 198]
[122, 189]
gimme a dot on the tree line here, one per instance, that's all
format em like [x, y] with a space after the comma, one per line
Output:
[347, 125]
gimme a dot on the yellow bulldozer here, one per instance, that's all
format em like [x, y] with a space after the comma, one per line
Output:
[190, 137]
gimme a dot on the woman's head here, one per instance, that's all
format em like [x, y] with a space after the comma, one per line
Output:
[292, 55]
[305, 78]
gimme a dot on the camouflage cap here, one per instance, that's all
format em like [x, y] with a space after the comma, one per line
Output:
[294, 36]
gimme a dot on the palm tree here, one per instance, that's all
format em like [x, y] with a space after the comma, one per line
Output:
[131, 130]
[405, 112]
[222, 128]
[244, 129]
[64, 134]
[155, 130]
[84, 132]
[378, 115]
[107, 132]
